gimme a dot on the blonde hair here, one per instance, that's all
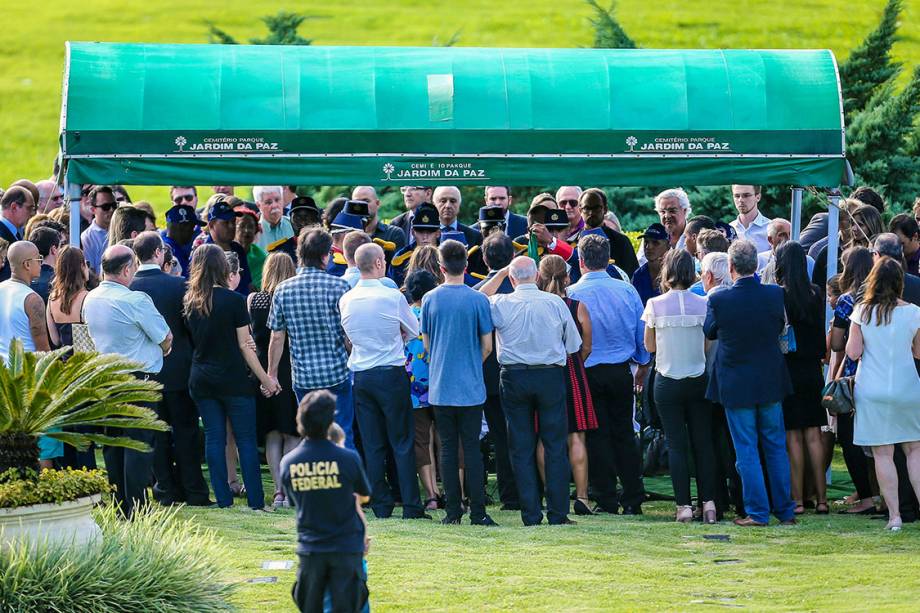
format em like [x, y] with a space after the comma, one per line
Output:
[31, 224]
[278, 267]
[553, 276]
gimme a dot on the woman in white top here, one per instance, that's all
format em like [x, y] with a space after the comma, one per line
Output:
[885, 338]
[674, 332]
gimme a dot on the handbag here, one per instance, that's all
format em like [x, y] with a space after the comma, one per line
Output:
[837, 396]
[787, 340]
[82, 341]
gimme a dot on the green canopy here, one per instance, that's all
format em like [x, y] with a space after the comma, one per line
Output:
[244, 114]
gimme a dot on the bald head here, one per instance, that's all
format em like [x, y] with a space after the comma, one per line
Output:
[21, 256]
[369, 195]
[118, 264]
[778, 232]
[370, 261]
[523, 270]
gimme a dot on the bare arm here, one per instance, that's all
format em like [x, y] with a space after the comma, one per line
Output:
[252, 360]
[838, 339]
[650, 340]
[855, 342]
[584, 319]
[52, 329]
[916, 345]
[275, 351]
[426, 343]
[38, 326]
[166, 345]
[491, 286]
[485, 342]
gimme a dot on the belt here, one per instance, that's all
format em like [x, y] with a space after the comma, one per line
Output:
[529, 366]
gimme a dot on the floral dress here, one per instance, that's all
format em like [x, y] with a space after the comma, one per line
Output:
[417, 367]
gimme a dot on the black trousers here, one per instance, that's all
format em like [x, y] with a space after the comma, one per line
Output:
[340, 573]
[907, 499]
[686, 416]
[498, 432]
[460, 426]
[176, 454]
[129, 470]
[384, 411]
[541, 392]
[728, 481]
[612, 448]
[854, 457]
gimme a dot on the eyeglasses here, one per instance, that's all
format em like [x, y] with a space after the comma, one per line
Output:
[571, 203]
[108, 206]
[409, 188]
[37, 258]
[670, 211]
[184, 197]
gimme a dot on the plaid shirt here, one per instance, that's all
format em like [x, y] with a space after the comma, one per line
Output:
[307, 308]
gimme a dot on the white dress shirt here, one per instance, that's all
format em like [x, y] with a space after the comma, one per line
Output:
[533, 327]
[377, 320]
[756, 232]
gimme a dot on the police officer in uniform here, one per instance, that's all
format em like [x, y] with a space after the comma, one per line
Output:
[323, 481]
[304, 212]
[352, 217]
[426, 230]
[491, 219]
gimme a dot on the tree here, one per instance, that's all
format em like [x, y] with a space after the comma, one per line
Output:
[881, 140]
[608, 33]
[282, 30]
[870, 65]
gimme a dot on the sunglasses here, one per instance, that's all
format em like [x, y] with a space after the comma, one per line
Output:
[108, 206]
[571, 203]
[184, 198]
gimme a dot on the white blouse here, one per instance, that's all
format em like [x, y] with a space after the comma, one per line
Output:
[677, 317]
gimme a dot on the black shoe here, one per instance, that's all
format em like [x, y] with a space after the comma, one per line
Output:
[602, 509]
[632, 510]
[511, 506]
[567, 522]
[581, 508]
[485, 521]
[450, 521]
[201, 503]
[422, 516]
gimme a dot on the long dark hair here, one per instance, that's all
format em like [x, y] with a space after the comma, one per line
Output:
[857, 263]
[68, 277]
[883, 290]
[792, 275]
[208, 268]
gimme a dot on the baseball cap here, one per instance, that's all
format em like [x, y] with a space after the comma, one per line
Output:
[656, 232]
[221, 209]
[183, 213]
[426, 217]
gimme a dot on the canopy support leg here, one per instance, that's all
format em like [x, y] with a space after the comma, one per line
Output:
[795, 216]
[833, 241]
[73, 202]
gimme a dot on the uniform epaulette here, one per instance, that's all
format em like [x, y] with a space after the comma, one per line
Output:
[519, 246]
[472, 250]
[339, 258]
[387, 245]
[401, 258]
[476, 275]
[277, 244]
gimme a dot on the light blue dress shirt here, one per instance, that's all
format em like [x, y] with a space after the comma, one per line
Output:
[126, 322]
[617, 331]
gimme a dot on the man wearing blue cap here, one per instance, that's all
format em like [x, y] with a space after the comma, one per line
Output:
[655, 244]
[222, 231]
[350, 218]
[182, 224]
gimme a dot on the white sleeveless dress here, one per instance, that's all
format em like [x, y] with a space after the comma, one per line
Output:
[887, 389]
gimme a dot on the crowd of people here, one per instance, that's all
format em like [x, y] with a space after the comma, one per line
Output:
[519, 342]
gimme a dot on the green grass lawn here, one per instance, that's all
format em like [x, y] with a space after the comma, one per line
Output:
[603, 563]
[32, 52]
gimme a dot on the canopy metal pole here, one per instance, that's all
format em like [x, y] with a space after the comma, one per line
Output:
[72, 194]
[795, 216]
[833, 240]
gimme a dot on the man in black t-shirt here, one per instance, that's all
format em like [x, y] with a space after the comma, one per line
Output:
[322, 480]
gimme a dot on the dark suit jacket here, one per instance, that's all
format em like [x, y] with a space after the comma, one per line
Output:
[402, 222]
[747, 319]
[517, 225]
[167, 293]
[8, 236]
[473, 237]
[42, 285]
[814, 231]
[911, 289]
